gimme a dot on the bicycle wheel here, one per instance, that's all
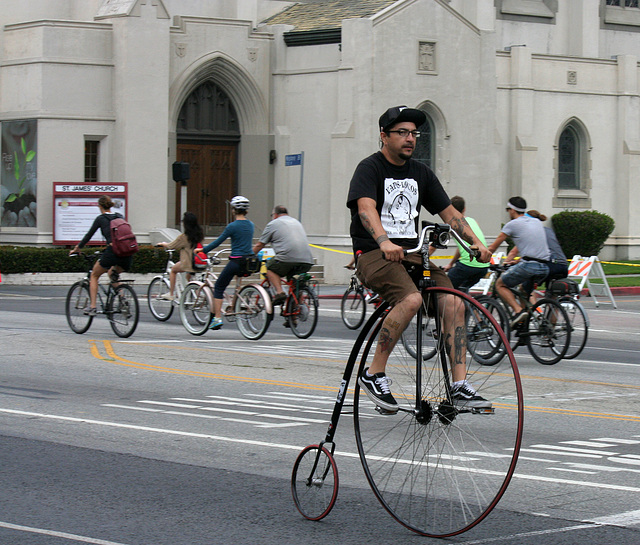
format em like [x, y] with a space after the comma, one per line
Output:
[353, 308]
[483, 340]
[303, 316]
[579, 322]
[437, 469]
[77, 301]
[314, 482]
[161, 309]
[429, 340]
[195, 308]
[548, 332]
[123, 310]
[251, 313]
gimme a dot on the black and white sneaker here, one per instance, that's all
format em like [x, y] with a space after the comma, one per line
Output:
[518, 319]
[377, 388]
[464, 396]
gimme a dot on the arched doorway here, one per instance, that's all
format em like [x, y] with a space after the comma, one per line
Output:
[208, 135]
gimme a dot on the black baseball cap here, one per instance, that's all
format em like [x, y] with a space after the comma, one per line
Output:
[398, 114]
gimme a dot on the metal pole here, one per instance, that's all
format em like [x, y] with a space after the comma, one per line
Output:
[301, 180]
[183, 199]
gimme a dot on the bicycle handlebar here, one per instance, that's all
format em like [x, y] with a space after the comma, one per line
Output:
[443, 235]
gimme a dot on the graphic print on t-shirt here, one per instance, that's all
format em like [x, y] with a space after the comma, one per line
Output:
[400, 208]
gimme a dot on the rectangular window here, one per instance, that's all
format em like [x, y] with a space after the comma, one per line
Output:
[623, 3]
[91, 150]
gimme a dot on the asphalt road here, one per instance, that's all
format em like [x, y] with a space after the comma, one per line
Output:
[165, 438]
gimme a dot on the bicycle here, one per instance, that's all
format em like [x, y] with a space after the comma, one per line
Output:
[300, 308]
[437, 469]
[162, 309]
[567, 293]
[353, 305]
[249, 306]
[118, 302]
[545, 330]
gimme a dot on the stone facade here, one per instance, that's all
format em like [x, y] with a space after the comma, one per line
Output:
[504, 83]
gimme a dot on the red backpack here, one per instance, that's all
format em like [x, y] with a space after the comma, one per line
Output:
[123, 241]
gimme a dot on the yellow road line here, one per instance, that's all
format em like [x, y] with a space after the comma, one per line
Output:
[117, 360]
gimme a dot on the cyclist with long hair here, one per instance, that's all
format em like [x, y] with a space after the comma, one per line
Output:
[186, 242]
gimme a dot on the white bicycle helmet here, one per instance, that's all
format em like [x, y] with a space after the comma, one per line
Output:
[240, 203]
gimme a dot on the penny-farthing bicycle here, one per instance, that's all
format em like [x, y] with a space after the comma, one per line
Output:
[436, 467]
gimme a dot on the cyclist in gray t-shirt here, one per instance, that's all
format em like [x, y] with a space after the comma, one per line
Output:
[289, 242]
[528, 235]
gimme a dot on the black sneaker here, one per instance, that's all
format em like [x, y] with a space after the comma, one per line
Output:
[518, 318]
[114, 276]
[90, 312]
[464, 396]
[278, 299]
[377, 388]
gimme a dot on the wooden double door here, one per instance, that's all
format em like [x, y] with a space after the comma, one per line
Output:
[212, 183]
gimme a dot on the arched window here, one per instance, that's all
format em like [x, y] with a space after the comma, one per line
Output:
[569, 159]
[425, 149]
[572, 184]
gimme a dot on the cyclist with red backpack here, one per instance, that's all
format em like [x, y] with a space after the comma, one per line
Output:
[190, 240]
[109, 261]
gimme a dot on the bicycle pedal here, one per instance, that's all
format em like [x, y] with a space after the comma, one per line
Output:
[385, 412]
[477, 410]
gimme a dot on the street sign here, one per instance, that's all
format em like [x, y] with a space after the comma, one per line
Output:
[292, 160]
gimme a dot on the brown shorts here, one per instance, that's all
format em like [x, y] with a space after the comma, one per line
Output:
[390, 279]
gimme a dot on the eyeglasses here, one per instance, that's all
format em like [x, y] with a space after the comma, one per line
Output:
[403, 133]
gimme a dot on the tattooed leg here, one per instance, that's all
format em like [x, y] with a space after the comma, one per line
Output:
[393, 326]
[455, 336]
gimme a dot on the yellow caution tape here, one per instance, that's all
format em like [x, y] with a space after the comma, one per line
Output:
[330, 249]
[614, 263]
[451, 257]
[351, 253]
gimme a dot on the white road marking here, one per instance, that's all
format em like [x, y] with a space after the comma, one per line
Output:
[625, 520]
[575, 450]
[52, 533]
[268, 444]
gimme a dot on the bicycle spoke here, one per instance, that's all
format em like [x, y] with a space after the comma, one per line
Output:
[437, 468]
[77, 302]
[123, 311]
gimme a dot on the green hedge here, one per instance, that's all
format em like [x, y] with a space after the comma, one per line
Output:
[582, 233]
[26, 259]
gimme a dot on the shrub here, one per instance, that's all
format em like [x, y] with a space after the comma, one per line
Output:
[582, 233]
[26, 259]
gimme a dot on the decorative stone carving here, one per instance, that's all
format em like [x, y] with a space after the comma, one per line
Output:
[426, 56]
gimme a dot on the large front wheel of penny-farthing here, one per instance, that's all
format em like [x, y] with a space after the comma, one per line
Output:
[439, 468]
[314, 482]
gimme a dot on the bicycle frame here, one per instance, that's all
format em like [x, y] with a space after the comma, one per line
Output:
[425, 414]
[229, 300]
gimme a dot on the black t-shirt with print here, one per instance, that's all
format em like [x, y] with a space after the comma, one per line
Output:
[399, 192]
